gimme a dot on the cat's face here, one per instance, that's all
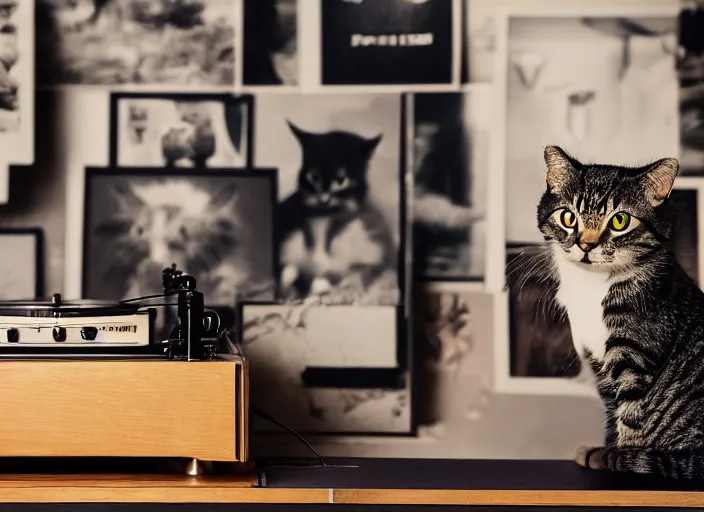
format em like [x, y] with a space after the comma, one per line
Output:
[333, 175]
[603, 217]
[173, 222]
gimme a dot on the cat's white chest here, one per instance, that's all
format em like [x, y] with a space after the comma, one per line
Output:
[581, 293]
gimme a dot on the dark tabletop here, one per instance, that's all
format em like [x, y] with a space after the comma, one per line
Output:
[453, 474]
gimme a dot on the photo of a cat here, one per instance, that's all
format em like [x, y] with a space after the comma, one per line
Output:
[690, 69]
[180, 130]
[17, 58]
[450, 171]
[602, 87]
[184, 45]
[21, 263]
[217, 225]
[541, 353]
[332, 369]
[270, 43]
[341, 193]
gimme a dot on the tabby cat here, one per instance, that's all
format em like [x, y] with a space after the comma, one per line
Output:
[330, 228]
[636, 318]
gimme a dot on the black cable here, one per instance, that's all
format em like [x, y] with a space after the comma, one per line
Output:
[322, 464]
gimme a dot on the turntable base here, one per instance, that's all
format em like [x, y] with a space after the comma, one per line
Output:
[125, 408]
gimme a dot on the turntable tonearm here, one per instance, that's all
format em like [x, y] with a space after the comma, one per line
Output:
[91, 379]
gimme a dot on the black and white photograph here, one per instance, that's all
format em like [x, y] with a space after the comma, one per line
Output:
[390, 42]
[270, 43]
[21, 263]
[17, 81]
[690, 68]
[182, 130]
[450, 171]
[480, 24]
[216, 225]
[183, 44]
[452, 350]
[685, 242]
[604, 89]
[328, 369]
[341, 194]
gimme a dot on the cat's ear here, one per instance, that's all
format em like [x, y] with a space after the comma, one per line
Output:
[370, 145]
[127, 200]
[659, 179]
[225, 198]
[301, 135]
[561, 167]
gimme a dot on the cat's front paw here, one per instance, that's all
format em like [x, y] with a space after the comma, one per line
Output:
[589, 457]
[320, 286]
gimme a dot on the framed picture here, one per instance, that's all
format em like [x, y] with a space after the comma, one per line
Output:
[270, 45]
[450, 170]
[216, 224]
[690, 69]
[585, 94]
[17, 82]
[342, 197]
[394, 45]
[329, 369]
[180, 130]
[21, 263]
[452, 354]
[537, 355]
[158, 45]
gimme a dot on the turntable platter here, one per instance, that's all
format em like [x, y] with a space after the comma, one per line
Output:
[56, 307]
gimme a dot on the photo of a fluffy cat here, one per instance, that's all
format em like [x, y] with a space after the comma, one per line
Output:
[333, 235]
[636, 317]
[216, 227]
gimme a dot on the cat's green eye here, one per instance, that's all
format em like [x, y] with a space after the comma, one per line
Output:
[568, 219]
[620, 221]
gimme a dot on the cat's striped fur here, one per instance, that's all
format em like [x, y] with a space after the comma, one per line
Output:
[645, 344]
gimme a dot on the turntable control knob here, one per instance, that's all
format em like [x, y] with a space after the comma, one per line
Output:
[59, 333]
[89, 333]
[13, 335]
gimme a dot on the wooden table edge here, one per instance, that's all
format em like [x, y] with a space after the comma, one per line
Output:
[163, 494]
[516, 498]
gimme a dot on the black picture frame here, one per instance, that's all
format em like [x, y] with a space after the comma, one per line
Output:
[359, 378]
[242, 99]
[270, 175]
[39, 274]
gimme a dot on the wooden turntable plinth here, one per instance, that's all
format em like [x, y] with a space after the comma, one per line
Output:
[125, 408]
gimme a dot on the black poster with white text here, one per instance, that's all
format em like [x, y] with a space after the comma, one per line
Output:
[387, 42]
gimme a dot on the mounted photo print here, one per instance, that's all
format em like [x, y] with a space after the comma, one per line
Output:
[329, 369]
[342, 200]
[21, 263]
[400, 43]
[450, 171]
[180, 130]
[270, 43]
[215, 224]
[690, 68]
[17, 58]
[137, 43]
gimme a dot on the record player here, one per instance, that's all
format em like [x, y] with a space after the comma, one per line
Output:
[85, 378]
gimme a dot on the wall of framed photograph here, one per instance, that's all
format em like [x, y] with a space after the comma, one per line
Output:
[424, 353]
